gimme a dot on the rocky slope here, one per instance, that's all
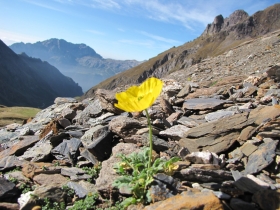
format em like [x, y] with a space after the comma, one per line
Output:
[78, 61]
[220, 36]
[221, 117]
[30, 82]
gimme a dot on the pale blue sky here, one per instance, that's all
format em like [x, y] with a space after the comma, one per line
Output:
[118, 29]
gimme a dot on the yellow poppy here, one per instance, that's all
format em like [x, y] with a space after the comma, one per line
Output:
[139, 98]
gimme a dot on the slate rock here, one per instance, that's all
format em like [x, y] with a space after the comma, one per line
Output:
[124, 126]
[89, 156]
[68, 113]
[107, 100]
[184, 91]
[218, 115]
[98, 141]
[82, 188]
[248, 185]
[176, 132]
[204, 104]
[5, 136]
[40, 152]
[189, 122]
[9, 162]
[75, 173]
[60, 100]
[262, 157]
[67, 150]
[7, 190]
[64, 122]
[200, 175]
[267, 199]
[238, 204]
[20, 147]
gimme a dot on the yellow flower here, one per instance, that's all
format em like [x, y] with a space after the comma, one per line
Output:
[139, 98]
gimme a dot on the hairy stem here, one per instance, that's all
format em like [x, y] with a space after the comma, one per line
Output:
[150, 138]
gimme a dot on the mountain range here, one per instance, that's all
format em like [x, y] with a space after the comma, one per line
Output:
[78, 61]
[220, 36]
[26, 81]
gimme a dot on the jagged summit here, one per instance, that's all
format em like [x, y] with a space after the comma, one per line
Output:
[222, 35]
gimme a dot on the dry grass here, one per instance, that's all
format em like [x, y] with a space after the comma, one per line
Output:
[10, 115]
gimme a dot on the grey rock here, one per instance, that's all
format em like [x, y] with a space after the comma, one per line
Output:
[64, 122]
[89, 156]
[67, 150]
[40, 152]
[189, 122]
[201, 175]
[60, 100]
[7, 189]
[68, 113]
[82, 188]
[5, 136]
[9, 162]
[222, 195]
[238, 204]
[218, 115]
[248, 185]
[98, 141]
[184, 92]
[204, 104]
[176, 132]
[24, 131]
[75, 174]
[262, 157]
[75, 134]
[125, 126]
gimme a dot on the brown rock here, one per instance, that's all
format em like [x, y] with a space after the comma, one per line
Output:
[267, 199]
[9, 206]
[203, 92]
[52, 126]
[263, 113]
[45, 179]
[189, 200]
[246, 133]
[31, 169]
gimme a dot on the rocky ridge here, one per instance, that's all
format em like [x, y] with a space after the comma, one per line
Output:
[221, 117]
[219, 37]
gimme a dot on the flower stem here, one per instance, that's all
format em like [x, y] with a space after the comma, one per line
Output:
[150, 138]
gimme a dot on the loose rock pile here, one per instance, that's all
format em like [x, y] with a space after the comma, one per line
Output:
[225, 128]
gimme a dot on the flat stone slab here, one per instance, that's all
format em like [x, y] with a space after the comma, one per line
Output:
[262, 157]
[203, 103]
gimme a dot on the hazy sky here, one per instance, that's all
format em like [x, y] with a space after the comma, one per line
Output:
[118, 29]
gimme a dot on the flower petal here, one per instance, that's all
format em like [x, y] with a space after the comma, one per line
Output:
[139, 98]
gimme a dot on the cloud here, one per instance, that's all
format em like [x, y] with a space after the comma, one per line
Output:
[105, 4]
[44, 5]
[159, 38]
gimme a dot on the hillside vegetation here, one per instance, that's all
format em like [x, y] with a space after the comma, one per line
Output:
[10, 115]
